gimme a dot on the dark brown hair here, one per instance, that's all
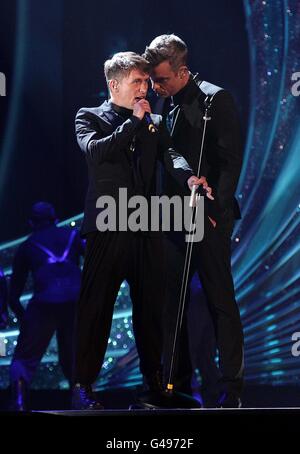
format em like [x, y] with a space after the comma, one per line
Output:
[122, 63]
[167, 48]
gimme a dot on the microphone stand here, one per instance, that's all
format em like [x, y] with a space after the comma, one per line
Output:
[178, 399]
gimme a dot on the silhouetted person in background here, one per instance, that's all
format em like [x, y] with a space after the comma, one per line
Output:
[52, 255]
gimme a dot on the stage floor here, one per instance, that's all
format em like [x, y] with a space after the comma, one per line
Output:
[254, 397]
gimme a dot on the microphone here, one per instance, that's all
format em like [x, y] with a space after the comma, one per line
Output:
[151, 127]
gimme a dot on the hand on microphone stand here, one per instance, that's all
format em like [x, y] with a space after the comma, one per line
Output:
[205, 190]
[199, 186]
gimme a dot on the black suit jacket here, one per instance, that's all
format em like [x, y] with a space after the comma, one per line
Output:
[222, 159]
[105, 138]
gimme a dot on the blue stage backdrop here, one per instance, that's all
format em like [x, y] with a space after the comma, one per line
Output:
[52, 56]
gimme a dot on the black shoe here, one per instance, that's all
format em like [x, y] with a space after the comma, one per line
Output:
[151, 396]
[157, 397]
[19, 395]
[228, 400]
[83, 398]
[154, 382]
[151, 399]
[166, 400]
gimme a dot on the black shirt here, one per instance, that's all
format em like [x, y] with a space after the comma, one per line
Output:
[133, 150]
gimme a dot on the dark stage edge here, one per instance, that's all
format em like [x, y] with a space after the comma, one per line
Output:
[254, 397]
[271, 411]
[145, 425]
[114, 426]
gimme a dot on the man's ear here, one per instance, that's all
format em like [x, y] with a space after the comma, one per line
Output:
[113, 85]
[182, 71]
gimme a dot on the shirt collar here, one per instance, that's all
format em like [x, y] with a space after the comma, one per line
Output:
[187, 93]
[123, 111]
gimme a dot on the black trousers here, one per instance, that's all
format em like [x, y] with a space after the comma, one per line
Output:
[212, 260]
[39, 323]
[202, 343]
[112, 257]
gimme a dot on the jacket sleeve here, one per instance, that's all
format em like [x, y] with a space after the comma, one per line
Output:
[174, 162]
[98, 145]
[225, 129]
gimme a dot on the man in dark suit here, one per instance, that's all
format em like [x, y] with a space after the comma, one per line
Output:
[122, 152]
[221, 165]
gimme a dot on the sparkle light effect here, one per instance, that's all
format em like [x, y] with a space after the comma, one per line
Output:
[266, 246]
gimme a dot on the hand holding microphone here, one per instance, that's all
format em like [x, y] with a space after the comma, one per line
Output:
[151, 127]
[141, 109]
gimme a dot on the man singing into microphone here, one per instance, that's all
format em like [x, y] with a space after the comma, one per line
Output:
[121, 150]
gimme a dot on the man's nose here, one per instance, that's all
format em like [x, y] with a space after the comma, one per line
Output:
[144, 88]
[155, 85]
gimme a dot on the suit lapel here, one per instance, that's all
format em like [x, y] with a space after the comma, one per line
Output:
[175, 118]
[145, 142]
[189, 109]
[112, 117]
